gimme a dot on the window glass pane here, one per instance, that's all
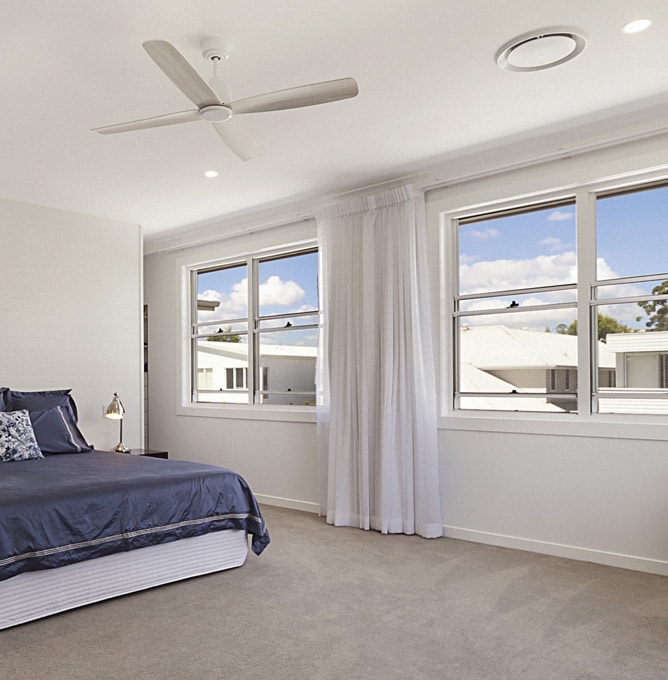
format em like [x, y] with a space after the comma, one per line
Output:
[222, 294]
[632, 289]
[633, 341]
[635, 349]
[647, 405]
[631, 317]
[288, 321]
[549, 321]
[519, 352]
[632, 233]
[528, 404]
[522, 250]
[518, 300]
[204, 379]
[222, 363]
[288, 359]
[222, 332]
[288, 284]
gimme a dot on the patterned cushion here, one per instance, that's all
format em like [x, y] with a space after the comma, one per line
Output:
[17, 439]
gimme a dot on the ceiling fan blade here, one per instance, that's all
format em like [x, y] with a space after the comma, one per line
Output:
[156, 121]
[174, 65]
[297, 97]
[235, 133]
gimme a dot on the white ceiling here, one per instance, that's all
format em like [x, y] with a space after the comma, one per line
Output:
[430, 91]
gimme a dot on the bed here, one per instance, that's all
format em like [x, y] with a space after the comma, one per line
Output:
[81, 526]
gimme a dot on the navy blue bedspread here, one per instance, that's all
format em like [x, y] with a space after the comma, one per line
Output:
[73, 507]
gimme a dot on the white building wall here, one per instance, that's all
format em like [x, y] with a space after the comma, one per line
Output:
[71, 312]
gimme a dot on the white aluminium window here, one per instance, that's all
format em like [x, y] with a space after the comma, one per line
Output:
[252, 319]
[523, 291]
[631, 286]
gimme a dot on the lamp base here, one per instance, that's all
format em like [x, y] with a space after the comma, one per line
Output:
[121, 448]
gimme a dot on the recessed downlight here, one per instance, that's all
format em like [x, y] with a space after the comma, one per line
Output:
[636, 26]
[539, 50]
[211, 173]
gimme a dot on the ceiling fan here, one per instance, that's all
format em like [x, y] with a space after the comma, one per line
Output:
[213, 100]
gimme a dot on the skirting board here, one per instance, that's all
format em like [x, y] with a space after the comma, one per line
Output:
[289, 503]
[36, 594]
[609, 559]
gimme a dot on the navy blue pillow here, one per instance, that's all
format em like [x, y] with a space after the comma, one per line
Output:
[56, 431]
[38, 401]
[3, 392]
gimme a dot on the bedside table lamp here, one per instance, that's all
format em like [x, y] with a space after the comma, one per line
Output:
[116, 411]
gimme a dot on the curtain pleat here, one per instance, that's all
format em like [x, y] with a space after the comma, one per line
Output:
[377, 419]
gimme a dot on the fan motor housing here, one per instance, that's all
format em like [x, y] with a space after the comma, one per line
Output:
[216, 113]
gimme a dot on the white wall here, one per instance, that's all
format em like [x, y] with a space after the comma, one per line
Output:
[277, 455]
[70, 312]
[599, 499]
[589, 487]
[590, 490]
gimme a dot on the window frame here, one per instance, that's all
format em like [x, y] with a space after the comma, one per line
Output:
[584, 196]
[479, 216]
[252, 409]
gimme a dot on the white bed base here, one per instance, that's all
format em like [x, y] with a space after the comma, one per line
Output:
[36, 594]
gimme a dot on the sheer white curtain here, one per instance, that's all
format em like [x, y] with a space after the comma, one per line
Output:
[377, 418]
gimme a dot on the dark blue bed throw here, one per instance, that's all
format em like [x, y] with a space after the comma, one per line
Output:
[68, 508]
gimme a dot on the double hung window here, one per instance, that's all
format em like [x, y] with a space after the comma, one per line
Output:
[254, 329]
[539, 324]
[631, 286]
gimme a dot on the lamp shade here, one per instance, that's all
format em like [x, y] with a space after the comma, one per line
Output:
[115, 410]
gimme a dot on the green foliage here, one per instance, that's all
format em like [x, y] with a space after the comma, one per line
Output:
[606, 325]
[656, 310]
[224, 336]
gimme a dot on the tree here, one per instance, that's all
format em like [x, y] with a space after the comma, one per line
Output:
[224, 336]
[656, 310]
[606, 324]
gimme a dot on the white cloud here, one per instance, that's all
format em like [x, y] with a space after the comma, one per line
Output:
[560, 216]
[274, 291]
[482, 235]
[544, 270]
[233, 305]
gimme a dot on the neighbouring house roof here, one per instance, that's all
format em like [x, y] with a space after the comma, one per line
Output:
[473, 379]
[238, 349]
[493, 348]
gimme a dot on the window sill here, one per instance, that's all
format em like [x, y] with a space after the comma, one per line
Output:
[293, 414]
[607, 426]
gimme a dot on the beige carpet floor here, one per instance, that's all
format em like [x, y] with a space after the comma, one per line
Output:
[327, 603]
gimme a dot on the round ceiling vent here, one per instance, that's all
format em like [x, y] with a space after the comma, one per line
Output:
[540, 50]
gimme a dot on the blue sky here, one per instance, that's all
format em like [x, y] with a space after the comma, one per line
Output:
[538, 249]
[632, 234]
[286, 285]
